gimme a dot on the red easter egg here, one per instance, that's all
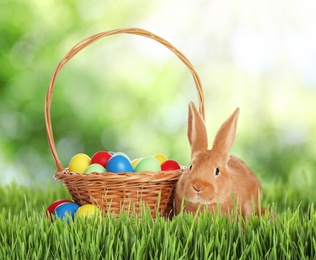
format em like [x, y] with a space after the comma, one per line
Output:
[51, 208]
[170, 165]
[101, 158]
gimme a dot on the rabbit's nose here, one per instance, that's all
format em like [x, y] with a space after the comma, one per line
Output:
[197, 189]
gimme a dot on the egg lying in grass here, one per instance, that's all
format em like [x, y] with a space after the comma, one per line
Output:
[88, 210]
[51, 208]
[147, 164]
[65, 210]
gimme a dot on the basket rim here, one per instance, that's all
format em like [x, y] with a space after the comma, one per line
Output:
[143, 176]
[86, 42]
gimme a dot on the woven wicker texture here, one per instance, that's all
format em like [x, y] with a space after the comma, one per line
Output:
[120, 191]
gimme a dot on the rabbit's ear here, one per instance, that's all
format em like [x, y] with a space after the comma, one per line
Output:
[196, 130]
[225, 136]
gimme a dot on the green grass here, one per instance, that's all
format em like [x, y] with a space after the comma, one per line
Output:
[25, 232]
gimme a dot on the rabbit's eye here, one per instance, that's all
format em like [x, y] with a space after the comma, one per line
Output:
[216, 172]
[190, 167]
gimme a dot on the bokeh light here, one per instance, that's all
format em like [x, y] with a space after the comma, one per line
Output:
[130, 94]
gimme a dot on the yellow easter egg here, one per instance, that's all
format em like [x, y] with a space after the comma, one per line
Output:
[79, 163]
[160, 157]
[88, 210]
[134, 162]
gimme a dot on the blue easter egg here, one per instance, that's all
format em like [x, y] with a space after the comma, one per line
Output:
[119, 163]
[68, 208]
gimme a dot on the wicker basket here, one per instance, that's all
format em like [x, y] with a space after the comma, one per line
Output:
[127, 191]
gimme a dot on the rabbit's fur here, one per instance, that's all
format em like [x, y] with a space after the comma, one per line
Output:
[215, 179]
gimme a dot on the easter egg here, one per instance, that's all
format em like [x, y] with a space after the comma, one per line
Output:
[94, 168]
[170, 165]
[101, 158]
[119, 163]
[121, 153]
[51, 208]
[135, 161]
[64, 209]
[88, 210]
[161, 157]
[147, 164]
[79, 163]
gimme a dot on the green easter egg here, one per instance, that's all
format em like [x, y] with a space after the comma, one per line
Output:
[121, 153]
[148, 164]
[94, 168]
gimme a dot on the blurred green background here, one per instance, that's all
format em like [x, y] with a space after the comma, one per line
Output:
[130, 94]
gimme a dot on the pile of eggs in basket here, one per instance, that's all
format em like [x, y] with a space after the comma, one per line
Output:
[104, 161]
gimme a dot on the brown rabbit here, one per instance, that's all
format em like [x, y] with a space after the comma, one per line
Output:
[215, 179]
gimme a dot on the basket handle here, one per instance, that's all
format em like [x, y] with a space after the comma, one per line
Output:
[89, 40]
